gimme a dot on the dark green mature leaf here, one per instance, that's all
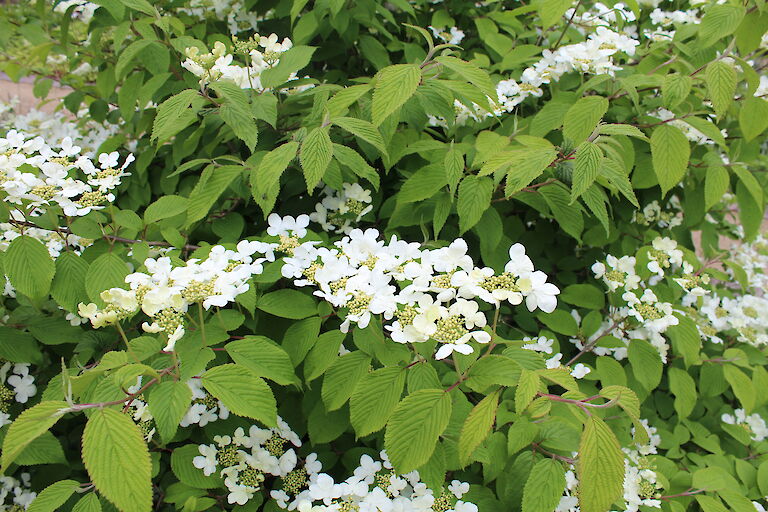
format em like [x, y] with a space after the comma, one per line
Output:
[287, 304]
[117, 460]
[265, 179]
[600, 467]
[414, 428]
[670, 150]
[394, 86]
[236, 112]
[29, 267]
[242, 392]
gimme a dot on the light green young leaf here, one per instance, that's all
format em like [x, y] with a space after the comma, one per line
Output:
[621, 129]
[211, 185]
[670, 151]
[29, 267]
[544, 486]
[263, 357]
[107, 271]
[474, 198]
[721, 85]
[242, 392]
[28, 426]
[374, 399]
[324, 352]
[675, 89]
[165, 207]
[351, 159]
[315, 155]
[477, 426]
[175, 114]
[363, 129]
[753, 117]
[582, 118]
[719, 21]
[54, 496]
[168, 402]
[588, 156]
[414, 428]
[454, 167]
[394, 86]
[341, 378]
[88, 503]
[742, 386]
[526, 390]
[287, 303]
[291, 61]
[715, 185]
[117, 459]
[646, 363]
[471, 73]
[600, 467]
[265, 179]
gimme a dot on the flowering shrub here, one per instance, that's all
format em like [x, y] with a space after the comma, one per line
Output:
[362, 256]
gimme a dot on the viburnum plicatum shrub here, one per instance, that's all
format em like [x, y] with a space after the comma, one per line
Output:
[367, 256]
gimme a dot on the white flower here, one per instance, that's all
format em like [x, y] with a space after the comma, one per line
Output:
[206, 460]
[580, 371]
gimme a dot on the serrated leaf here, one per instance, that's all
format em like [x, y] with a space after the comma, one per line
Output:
[685, 339]
[544, 486]
[45, 449]
[351, 159]
[68, 286]
[287, 303]
[88, 503]
[753, 117]
[374, 399]
[315, 155]
[721, 85]
[107, 271]
[324, 352]
[54, 496]
[422, 184]
[414, 428]
[165, 207]
[341, 378]
[621, 129]
[263, 357]
[175, 114]
[715, 185]
[582, 118]
[471, 73]
[569, 216]
[28, 426]
[29, 267]
[394, 86]
[265, 179]
[474, 198]
[128, 55]
[719, 21]
[117, 460]
[236, 112]
[675, 88]
[454, 167]
[242, 392]
[600, 467]
[184, 470]
[168, 402]
[646, 363]
[742, 387]
[291, 61]
[526, 390]
[363, 129]
[588, 156]
[211, 185]
[670, 151]
[477, 426]
[682, 385]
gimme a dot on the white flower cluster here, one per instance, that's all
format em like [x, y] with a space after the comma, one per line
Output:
[139, 411]
[689, 131]
[339, 210]
[652, 214]
[165, 292]
[54, 241]
[643, 316]
[753, 258]
[239, 18]
[36, 174]
[744, 314]
[545, 345]
[431, 294]
[16, 384]
[15, 494]
[373, 487]
[641, 487]
[220, 65]
[754, 424]
[665, 21]
[205, 407]
[600, 14]
[453, 35]
[83, 10]
[57, 125]
[245, 459]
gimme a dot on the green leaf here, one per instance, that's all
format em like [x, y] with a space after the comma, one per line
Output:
[291, 61]
[612, 171]
[28, 426]
[54, 496]
[749, 181]
[721, 85]
[753, 117]
[715, 185]
[742, 387]
[29, 267]
[719, 21]
[675, 89]
[477, 426]
[600, 467]
[414, 428]
[422, 184]
[621, 129]
[394, 86]
[526, 390]
[128, 55]
[493, 370]
[211, 185]
[583, 295]
[117, 460]
[175, 114]
[341, 378]
[568, 215]
[544, 486]
[646, 363]
[265, 179]
[474, 198]
[454, 167]
[45, 449]
[682, 385]
[263, 357]
[374, 399]
[165, 207]
[356, 163]
[471, 73]
[670, 151]
[588, 156]
[68, 286]
[288, 304]
[168, 402]
[363, 129]
[551, 11]
[582, 118]
[88, 503]
[685, 339]
[107, 271]
[187, 473]
[236, 112]
[315, 155]
[324, 352]
[242, 392]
